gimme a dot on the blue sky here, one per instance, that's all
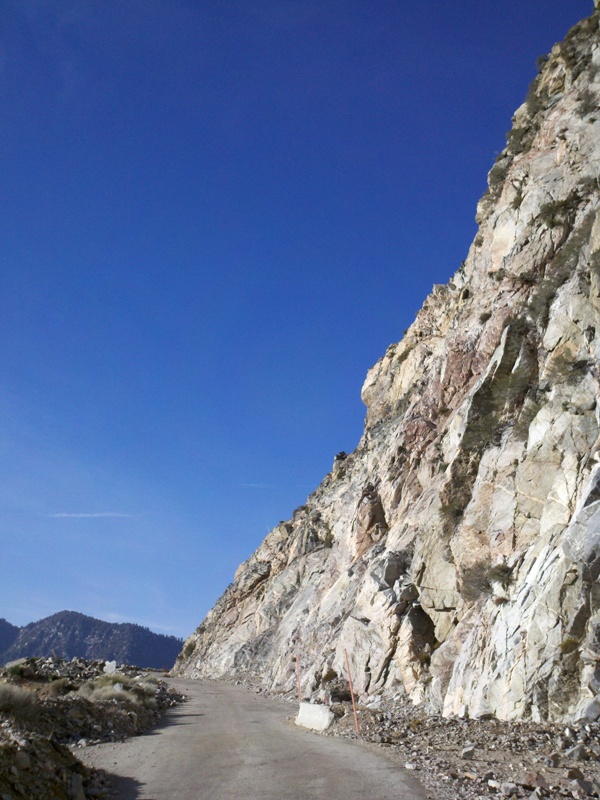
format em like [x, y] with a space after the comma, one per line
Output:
[215, 217]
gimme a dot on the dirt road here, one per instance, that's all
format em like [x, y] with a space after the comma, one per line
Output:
[229, 744]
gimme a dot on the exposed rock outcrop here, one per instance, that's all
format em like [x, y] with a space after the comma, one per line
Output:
[456, 553]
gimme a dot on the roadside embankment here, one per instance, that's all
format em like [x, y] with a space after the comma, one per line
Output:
[51, 708]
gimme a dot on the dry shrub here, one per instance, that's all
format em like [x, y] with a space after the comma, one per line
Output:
[19, 703]
[103, 694]
[120, 688]
[145, 691]
[112, 679]
[104, 682]
[60, 687]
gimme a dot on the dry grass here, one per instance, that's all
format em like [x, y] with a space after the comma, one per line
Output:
[59, 687]
[19, 703]
[120, 688]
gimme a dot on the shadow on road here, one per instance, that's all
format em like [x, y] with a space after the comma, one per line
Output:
[170, 720]
[124, 788]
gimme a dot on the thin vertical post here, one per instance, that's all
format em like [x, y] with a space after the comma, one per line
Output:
[298, 680]
[352, 693]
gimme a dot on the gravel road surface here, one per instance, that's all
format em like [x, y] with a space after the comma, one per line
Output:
[227, 743]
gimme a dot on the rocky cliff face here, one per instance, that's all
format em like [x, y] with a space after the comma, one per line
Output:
[455, 554]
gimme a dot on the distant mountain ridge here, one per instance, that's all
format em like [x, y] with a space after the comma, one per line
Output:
[8, 634]
[69, 634]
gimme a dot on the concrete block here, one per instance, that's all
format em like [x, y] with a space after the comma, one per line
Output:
[313, 716]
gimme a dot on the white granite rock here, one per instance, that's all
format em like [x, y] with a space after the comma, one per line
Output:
[314, 716]
[455, 553]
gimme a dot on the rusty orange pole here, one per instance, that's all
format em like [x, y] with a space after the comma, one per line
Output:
[352, 693]
[298, 679]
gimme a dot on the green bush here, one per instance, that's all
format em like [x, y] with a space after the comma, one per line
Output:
[559, 212]
[517, 200]
[526, 279]
[188, 649]
[568, 645]
[500, 573]
[587, 102]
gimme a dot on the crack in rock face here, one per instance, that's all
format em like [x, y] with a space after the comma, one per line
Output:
[454, 556]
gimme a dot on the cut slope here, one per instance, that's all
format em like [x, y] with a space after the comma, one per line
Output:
[455, 553]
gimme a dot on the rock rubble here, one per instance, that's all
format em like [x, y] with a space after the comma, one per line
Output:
[536, 760]
[50, 708]
[463, 759]
[466, 759]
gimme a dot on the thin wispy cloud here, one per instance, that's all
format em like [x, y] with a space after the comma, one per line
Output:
[256, 485]
[93, 515]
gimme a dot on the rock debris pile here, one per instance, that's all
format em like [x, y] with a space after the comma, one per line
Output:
[464, 759]
[467, 759]
[49, 708]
